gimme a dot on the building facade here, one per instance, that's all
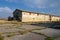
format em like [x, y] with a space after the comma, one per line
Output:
[26, 16]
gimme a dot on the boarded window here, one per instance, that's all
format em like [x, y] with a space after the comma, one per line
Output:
[37, 14]
[50, 17]
[59, 19]
[29, 13]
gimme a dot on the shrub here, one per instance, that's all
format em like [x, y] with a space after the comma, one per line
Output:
[10, 18]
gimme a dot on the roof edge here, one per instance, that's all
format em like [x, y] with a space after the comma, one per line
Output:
[35, 12]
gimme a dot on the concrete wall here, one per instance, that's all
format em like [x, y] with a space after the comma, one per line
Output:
[34, 17]
[25, 16]
[55, 18]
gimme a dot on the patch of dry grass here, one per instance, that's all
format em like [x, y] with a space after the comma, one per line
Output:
[9, 22]
[1, 37]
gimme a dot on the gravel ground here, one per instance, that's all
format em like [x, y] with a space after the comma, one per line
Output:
[49, 32]
[29, 36]
[15, 30]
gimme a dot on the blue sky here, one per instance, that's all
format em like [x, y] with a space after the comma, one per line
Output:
[43, 6]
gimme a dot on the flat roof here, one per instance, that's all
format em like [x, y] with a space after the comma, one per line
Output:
[36, 12]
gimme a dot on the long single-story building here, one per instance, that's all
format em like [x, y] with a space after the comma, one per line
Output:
[26, 16]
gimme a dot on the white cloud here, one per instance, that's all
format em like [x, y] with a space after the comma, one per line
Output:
[42, 3]
[11, 0]
[54, 4]
[36, 3]
[16, 1]
[5, 10]
[31, 3]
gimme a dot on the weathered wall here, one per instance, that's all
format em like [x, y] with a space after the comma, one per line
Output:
[55, 18]
[26, 16]
[34, 17]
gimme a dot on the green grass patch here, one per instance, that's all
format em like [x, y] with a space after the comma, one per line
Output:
[57, 36]
[49, 38]
[11, 34]
[36, 29]
[23, 32]
[1, 37]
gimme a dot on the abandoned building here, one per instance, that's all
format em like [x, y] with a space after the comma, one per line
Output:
[26, 16]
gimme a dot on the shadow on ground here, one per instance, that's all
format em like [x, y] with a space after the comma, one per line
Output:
[55, 25]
